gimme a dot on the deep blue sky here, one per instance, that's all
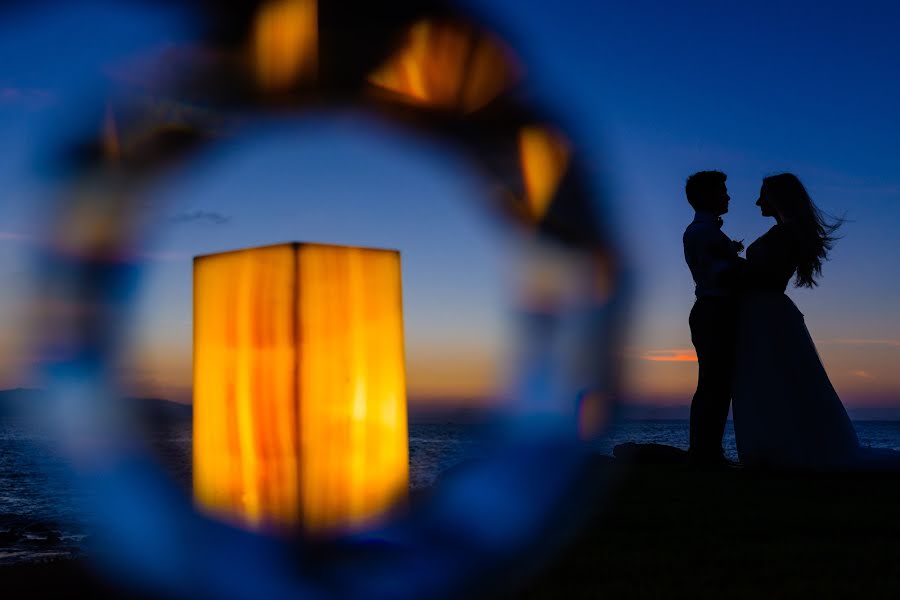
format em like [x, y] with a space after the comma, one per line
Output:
[653, 91]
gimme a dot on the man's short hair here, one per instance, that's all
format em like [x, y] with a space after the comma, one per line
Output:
[703, 187]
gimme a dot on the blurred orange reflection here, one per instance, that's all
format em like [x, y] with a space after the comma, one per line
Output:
[299, 386]
[110, 136]
[544, 155]
[285, 43]
[593, 414]
[447, 65]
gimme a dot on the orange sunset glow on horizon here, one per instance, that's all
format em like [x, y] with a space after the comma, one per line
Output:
[861, 370]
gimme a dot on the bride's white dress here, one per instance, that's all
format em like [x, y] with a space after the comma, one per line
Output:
[786, 412]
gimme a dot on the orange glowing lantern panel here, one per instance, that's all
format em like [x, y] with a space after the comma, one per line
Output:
[299, 386]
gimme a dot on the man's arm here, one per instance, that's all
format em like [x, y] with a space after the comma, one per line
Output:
[727, 267]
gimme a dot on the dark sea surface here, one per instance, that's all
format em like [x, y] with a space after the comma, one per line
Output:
[39, 514]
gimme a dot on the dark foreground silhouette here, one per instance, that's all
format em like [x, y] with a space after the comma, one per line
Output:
[669, 530]
[754, 350]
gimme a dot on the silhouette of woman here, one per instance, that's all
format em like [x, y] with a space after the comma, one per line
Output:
[786, 412]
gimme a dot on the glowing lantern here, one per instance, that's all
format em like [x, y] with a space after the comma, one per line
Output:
[299, 386]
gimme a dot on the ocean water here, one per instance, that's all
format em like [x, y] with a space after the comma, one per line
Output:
[40, 519]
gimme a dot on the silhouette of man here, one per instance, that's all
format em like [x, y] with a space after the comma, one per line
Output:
[714, 263]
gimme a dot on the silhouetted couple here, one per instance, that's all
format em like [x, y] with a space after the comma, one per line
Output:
[753, 348]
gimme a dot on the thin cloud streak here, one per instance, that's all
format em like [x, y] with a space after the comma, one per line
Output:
[866, 342]
[862, 374]
[200, 216]
[12, 236]
[670, 355]
[30, 98]
[164, 256]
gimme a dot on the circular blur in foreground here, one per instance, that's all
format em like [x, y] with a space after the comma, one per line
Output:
[211, 74]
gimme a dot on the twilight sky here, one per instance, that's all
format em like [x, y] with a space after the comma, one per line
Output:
[654, 91]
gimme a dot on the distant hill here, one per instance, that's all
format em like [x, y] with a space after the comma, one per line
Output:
[649, 412]
[17, 401]
[20, 401]
[442, 411]
[159, 410]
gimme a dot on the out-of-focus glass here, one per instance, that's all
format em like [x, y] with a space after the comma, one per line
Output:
[431, 69]
[447, 64]
[285, 42]
[545, 156]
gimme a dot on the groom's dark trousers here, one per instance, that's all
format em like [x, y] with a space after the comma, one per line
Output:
[714, 334]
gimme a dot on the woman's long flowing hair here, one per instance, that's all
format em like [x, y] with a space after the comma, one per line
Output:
[813, 231]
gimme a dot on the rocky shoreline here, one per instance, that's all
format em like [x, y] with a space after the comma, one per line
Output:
[30, 540]
[665, 529]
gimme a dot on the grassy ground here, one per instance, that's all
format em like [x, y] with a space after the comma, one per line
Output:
[672, 532]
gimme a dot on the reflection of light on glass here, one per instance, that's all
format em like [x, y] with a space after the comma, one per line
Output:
[604, 276]
[447, 65]
[544, 155]
[110, 136]
[94, 225]
[593, 414]
[285, 42]
[299, 386]
[551, 279]
[474, 525]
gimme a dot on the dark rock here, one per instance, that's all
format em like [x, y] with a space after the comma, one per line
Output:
[650, 454]
[597, 461]
[52, 539]
[9, 537]
[39, 527]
